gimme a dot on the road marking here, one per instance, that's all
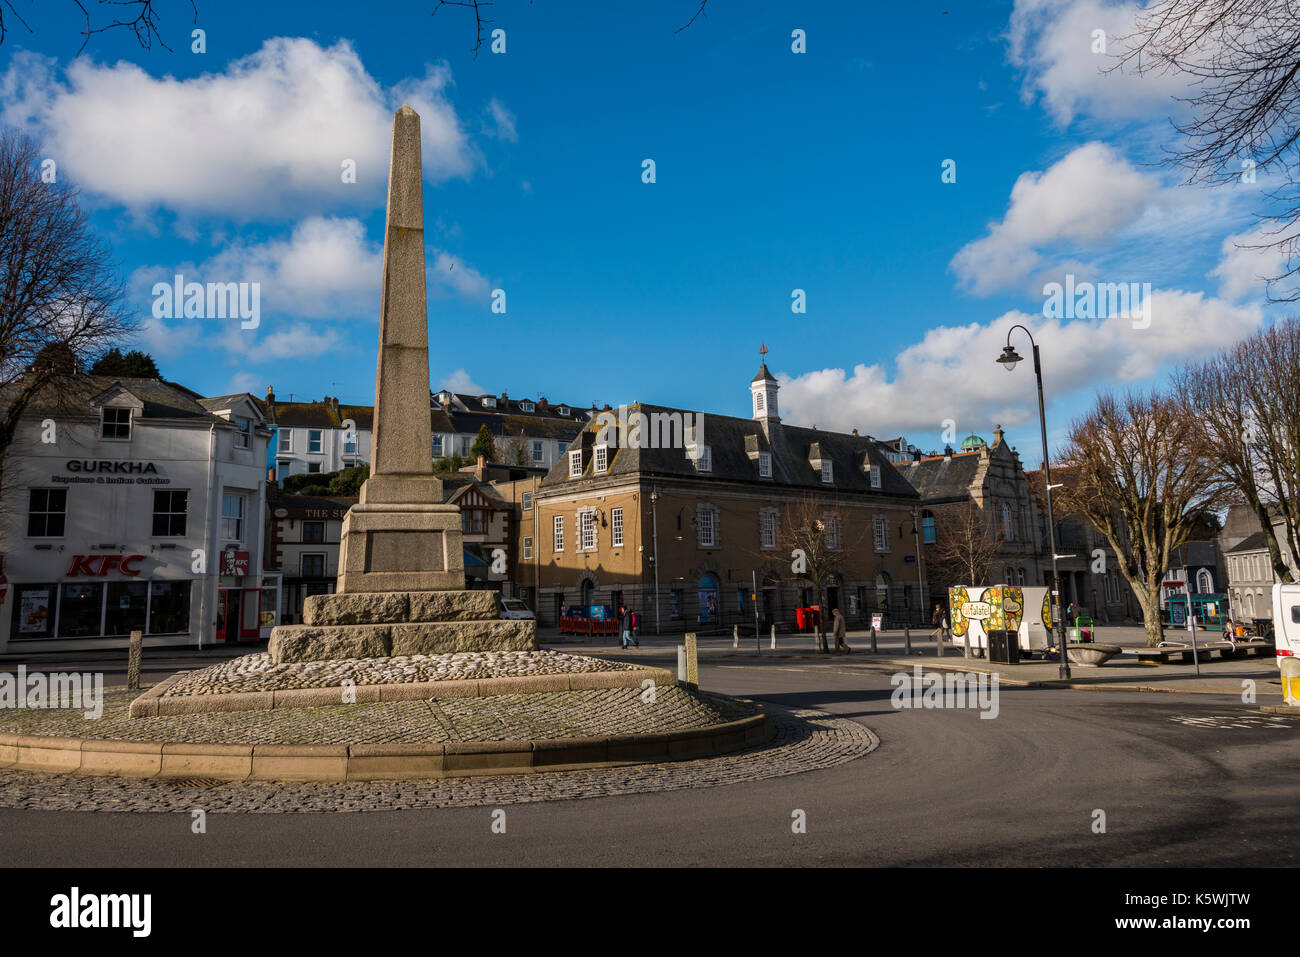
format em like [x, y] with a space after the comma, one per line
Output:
[1230, 721]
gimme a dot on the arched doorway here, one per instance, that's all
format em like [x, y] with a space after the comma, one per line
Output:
[587, 588]
[882, 590]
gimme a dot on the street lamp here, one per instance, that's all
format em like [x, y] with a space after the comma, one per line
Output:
[1009, 358]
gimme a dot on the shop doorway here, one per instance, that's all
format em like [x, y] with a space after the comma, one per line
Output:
[239, 614]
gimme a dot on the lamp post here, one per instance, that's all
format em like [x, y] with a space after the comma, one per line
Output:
[1009, 358]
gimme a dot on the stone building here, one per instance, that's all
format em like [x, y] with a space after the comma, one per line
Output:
[683, 520]
[1249, 568]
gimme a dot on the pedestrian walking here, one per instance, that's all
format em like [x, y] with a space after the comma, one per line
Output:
[839, 631]
[938, 620]
[627, 623]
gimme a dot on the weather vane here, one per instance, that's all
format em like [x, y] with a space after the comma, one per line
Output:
[762, 351]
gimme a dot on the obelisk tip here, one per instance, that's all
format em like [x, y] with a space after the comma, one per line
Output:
[406, 110]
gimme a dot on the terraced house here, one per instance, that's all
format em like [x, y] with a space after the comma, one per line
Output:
[693, 532]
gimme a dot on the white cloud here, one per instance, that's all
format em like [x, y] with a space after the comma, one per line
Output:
[952, 372]
[1088, 197]
[452, 275]
[504, 121]
[1052, 42]
[1243, 272]
[267, 135]
[459, 381]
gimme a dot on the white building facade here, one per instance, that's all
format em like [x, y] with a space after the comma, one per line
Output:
[134, 504]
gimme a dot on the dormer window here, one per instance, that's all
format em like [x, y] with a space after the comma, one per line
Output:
[828, 472]
[575, 463]
[764, 464]
[526, 407]
[875, 476]
[115, 424]
[600, 460]
[244, 430]
[702, 456]
[489, 402]
[564, 410]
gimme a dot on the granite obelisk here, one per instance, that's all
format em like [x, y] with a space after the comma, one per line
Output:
[401, 584]
[400, 537]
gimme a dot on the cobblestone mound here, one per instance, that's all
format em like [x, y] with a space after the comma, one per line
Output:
[258, 672]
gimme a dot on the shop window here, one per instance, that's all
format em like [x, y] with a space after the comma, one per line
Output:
[47, 512]
[169, 608]
[81, 610]
[170, 508]
[115, 424]
[675, 604]
[313, 532]
[708, 598]
[126, 608]
[33, 615]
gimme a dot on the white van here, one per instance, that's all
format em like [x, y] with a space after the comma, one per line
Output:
[1286, 621]
[513, 609]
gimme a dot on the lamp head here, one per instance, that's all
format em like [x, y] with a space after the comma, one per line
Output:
[1009, 358]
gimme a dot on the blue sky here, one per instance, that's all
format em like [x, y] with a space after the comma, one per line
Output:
[775, 171]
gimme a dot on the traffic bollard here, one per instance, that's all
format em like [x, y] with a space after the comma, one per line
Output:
[873, 639]
[907, 638]
[774, 637]
[735, 636]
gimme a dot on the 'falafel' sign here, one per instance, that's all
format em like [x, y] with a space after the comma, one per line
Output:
[976, 610]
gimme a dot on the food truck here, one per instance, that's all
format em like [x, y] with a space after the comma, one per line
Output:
[975, 610]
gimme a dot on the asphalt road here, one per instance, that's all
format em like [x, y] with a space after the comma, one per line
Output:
[945, 787]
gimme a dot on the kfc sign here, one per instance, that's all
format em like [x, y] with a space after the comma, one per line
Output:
[234, 563]
[103, 564]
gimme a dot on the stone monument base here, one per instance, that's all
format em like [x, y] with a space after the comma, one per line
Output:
[386, 624]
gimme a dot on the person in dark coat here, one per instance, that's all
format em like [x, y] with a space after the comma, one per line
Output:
[626, 624]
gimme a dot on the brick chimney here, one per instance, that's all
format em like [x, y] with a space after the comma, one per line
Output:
[270, 395]
[541, 403]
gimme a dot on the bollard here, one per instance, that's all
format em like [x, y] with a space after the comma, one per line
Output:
[133, 660]
[681, 663]
[873, 637]
[907, 638]
[735, 636]
[774, 637]
[692, 663]
[965, 644]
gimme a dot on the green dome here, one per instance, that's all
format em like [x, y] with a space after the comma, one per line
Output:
[972, 442]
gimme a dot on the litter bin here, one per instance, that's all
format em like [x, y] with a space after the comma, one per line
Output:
[1004, 647]
[1290, 669]
[800, 615]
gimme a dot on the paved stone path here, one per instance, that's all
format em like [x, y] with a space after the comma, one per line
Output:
[552, 714]
[257, 672]
[804, 741]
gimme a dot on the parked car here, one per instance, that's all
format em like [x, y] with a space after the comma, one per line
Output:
[515, 610]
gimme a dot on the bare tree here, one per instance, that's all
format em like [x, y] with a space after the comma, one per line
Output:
[1140, 475]
[61, 299]
[1247, 400]
[965, 545]
[1242, 61]
[144, 24]
[811, 531]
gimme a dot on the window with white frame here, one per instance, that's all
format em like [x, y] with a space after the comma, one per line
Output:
[587, 526]
[702, 456]
[880, 533]
[243, 433]
[875, 476]
[832, 525]
[526, 407]
[764, 464]
[616, 527]
[115, 423]
[564, 410]
[285, 439]
[767, 528]
[437, 446]
[528, 501]
[557, 533]
[828, 472]
[706, 521]
[528, 546]
[575, 463]
[232, 517]
[600, 460]
[489, 402]
[314, 440]
[538, 455]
